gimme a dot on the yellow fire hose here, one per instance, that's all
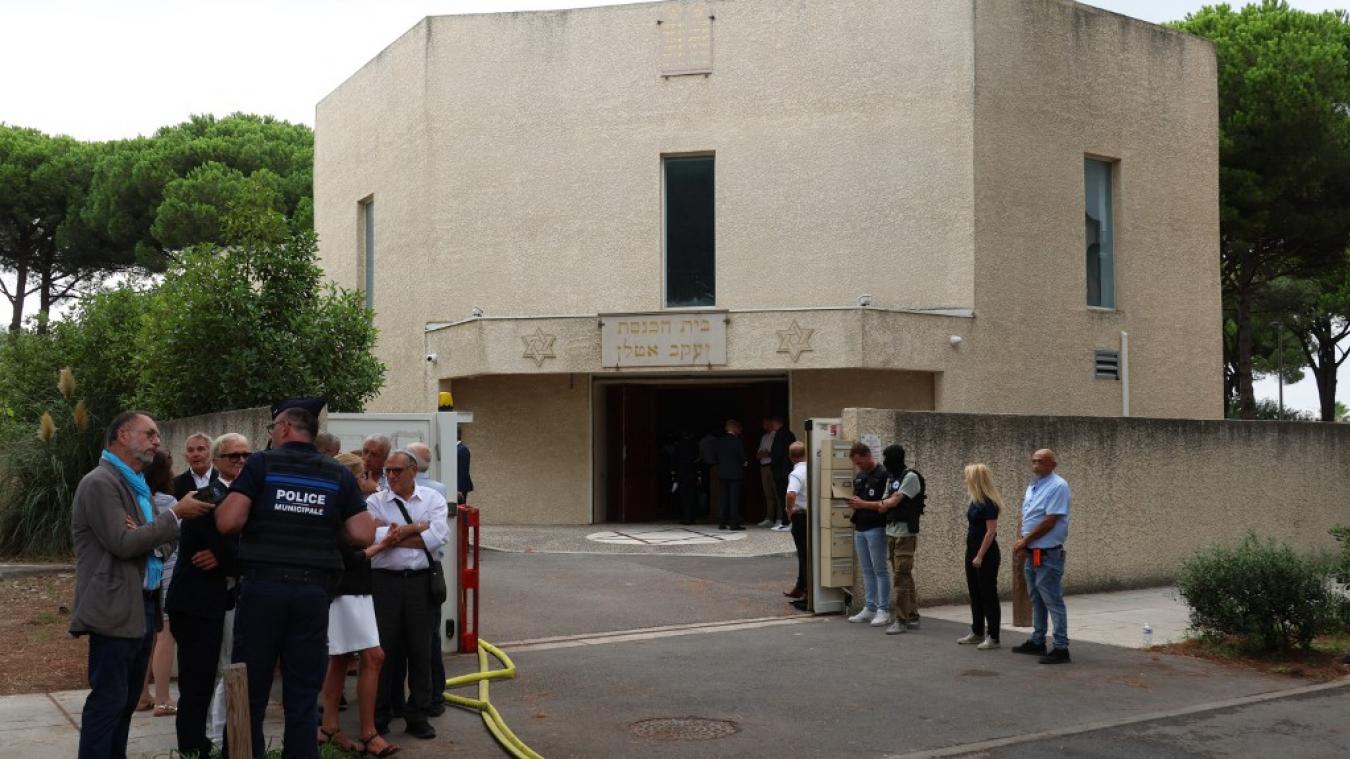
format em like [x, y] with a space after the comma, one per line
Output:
[491, 717]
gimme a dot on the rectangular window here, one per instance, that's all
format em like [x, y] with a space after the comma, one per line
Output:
[1099, 219]
[368, 250]
[690, 256]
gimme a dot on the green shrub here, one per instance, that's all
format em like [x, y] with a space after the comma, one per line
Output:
[1342, 534]
[1260, 591]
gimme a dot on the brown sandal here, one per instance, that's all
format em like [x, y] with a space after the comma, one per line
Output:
[388, 751]
[165, 710]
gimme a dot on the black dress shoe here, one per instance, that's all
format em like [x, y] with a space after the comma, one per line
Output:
[1056, 656]
[735, 527]
[721, 527]
[436, 709]
[422, 730]
[1027, 647]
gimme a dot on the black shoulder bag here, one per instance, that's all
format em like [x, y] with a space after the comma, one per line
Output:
[438, 591]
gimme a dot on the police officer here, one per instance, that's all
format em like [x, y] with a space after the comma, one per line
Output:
[291, 505]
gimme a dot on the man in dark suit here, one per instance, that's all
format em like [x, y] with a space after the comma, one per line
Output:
[731, 472]
[463, 481]
[199, 473]
[781, 464]
[199, 598]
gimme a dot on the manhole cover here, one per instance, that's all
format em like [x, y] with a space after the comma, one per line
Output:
[683, 728]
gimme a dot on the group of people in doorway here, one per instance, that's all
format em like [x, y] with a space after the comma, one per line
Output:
[888, 500]
[299, 555]
[720, 457]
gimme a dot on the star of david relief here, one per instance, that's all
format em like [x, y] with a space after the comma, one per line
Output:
[795, 341]
[539, 346]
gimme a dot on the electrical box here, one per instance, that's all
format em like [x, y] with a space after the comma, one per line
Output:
[836, 527]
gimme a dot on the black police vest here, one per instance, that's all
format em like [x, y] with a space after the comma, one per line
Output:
[869, 487]
[297, 516]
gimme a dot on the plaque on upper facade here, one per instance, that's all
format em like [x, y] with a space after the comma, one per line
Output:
[690, 338]
[685, 34]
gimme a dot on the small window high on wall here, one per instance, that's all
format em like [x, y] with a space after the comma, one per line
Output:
[366, 219]
[1099, 220]
[690, 258]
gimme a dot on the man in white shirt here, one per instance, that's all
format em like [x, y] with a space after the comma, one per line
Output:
[401, 580]
[795, 498]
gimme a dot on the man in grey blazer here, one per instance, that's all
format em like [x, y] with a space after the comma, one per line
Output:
[114, 533]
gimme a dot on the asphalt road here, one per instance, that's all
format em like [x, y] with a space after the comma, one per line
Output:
[819, 687]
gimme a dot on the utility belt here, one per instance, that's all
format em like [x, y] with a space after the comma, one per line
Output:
[403, 572]
[1036, 554]
[294, 575]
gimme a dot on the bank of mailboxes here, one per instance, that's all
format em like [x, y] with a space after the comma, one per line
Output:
[836, 530]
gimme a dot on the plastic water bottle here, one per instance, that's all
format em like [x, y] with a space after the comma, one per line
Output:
[1148, 635]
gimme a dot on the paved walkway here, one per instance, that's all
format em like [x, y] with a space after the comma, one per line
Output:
[1116, 619]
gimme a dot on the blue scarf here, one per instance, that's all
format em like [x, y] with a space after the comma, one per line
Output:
[154, 566]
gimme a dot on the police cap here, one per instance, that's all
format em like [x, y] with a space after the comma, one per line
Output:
[312, 405]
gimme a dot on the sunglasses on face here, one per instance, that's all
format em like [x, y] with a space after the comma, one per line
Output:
[394, 471]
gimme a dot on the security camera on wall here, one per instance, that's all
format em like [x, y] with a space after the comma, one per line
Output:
[430, 358]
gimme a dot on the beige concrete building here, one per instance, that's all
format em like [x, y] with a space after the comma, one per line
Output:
[601, 227]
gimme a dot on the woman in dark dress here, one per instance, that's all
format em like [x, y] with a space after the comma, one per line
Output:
[982, 557]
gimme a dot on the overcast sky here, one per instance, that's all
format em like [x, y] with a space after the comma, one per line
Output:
[106, 69]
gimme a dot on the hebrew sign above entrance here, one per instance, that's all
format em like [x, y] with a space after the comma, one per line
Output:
[675, 338]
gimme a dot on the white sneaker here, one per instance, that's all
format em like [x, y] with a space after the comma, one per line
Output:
[863, 616]
[780, 528]
[766, 523]
[896, 628]
[882, 619]
[967, 639]
[989, 643]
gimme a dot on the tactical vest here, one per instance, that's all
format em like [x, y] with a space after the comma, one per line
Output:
[869, 486]
[296, 518]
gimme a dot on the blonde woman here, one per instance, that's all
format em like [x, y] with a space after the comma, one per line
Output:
[982, 557]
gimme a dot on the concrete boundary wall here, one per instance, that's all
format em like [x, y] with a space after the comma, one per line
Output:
[1147, 493]
[250, 422]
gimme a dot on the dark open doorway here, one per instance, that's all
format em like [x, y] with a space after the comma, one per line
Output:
[651, 428]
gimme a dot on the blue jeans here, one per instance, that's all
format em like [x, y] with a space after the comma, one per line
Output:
[870, 547]
[1043, 584]
[116, 673]
[288, 621]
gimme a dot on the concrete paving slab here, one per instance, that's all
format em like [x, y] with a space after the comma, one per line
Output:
[29, 711]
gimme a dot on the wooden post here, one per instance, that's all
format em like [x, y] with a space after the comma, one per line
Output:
[238, 730]
[1021, 601]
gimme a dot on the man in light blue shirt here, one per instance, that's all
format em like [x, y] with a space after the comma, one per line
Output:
[1045, 527]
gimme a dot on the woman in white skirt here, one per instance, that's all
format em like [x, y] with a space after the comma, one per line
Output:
[351, 629]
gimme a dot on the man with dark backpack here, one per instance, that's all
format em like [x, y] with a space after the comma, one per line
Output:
[906, 494]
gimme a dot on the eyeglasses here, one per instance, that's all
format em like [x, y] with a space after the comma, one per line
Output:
[235, 456]
[394, 471]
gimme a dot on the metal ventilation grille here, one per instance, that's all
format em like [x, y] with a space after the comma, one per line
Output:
[1107, 364]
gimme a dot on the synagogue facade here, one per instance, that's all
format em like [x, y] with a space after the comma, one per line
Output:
[605, 229]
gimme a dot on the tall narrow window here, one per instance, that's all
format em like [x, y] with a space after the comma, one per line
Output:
[1100, 234]
[368, 250]
[690, 255]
